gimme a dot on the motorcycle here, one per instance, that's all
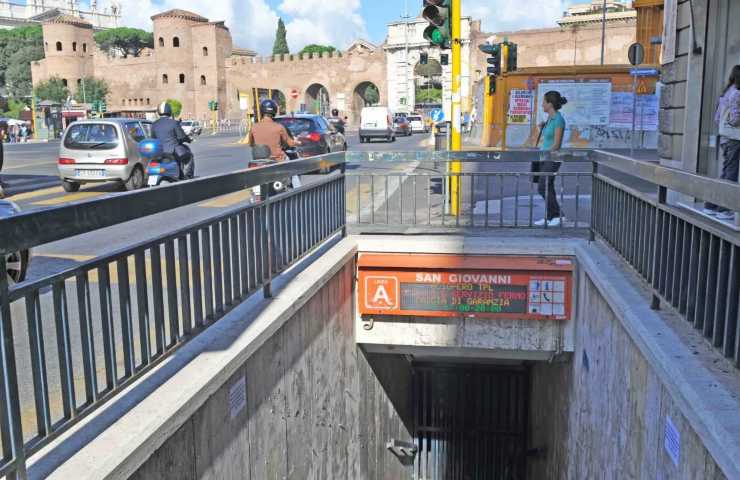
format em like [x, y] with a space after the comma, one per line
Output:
[161, 167]
[261, 157]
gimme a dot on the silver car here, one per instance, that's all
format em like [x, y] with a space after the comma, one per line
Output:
[103, 150]
[16, 263]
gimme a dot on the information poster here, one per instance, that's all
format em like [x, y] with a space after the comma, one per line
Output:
[589, 102]
[621, 111]
[520, 107]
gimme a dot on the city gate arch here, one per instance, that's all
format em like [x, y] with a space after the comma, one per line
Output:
[318, 100]
[365, 94]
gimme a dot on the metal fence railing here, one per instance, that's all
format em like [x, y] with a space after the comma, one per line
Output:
[72, 340]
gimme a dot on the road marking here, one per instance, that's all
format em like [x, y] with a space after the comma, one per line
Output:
[36, 193]
[229, 200]
[68, 198]
[29, 165]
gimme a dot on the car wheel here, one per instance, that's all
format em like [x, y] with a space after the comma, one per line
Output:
[136, 180]
[70, 186]
[16, 265]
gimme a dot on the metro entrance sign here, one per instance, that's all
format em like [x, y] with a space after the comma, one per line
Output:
[523, 288]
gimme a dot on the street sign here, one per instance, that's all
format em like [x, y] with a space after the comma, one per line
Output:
[294, 93]
[636, 54]
[437, 115]
[644, 72]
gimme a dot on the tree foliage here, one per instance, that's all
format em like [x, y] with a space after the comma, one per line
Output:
[280, 47]
[94, 90]
[124, 41]
[20, 45]
[52, 89]
[316, 49]
[371, 95]
[14, 109]
[18, 73]
[429, 95]
[176, 106]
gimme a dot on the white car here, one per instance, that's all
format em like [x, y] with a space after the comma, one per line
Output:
[417, 124]
[191, 127]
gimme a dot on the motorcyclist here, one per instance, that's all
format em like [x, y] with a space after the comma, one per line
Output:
[172, 136]
[271, 133]
[338, 122]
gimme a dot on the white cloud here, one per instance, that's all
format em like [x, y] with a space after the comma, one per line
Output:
[332, 22]
[505, 15]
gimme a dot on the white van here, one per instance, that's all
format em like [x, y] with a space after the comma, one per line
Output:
[376, 122]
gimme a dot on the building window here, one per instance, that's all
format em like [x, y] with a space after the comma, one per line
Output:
[141, 102]
[165, 80]
[74, 46]
[123, 102]
[59, 46]
[182, 78]
[205, 51]
[175, 42]
[203, 80]
[84, 48]
[64, 82]
[46, 46]
[148, 102]
[161, 42]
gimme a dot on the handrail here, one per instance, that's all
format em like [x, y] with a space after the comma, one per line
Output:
[26, 230]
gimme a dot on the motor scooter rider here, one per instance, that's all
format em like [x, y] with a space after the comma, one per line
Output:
[170, 133]
[271, 133]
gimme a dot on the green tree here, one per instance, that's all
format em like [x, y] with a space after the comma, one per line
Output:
[371, 95]
[280, 46]
[28, 39]
[15, 108]
[124, 41]
[95, 90]
[429, 95]
[176, 106]
[316, 49]
[18, 73]
[52, 89]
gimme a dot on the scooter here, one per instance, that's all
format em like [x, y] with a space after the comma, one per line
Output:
[261, 157]
[161, 168]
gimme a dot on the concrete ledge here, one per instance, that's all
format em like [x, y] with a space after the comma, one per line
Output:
[115, 441]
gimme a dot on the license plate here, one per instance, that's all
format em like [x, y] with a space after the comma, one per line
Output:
[89, 173]
[152, 181]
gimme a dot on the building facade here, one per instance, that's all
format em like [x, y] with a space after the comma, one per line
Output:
[14, 14]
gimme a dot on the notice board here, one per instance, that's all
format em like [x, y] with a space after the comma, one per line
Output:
[512, 287]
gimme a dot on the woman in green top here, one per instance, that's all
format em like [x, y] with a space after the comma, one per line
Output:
[552, 139]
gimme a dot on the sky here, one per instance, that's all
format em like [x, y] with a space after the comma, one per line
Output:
[336, 22]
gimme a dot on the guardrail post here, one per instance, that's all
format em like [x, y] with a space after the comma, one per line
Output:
[594, 204]
[657, 246]
[11, 431]
[343, 207]
[267, 253]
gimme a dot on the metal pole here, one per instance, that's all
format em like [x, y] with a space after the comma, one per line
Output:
[634, 114]
[456, 140]
[603, 31]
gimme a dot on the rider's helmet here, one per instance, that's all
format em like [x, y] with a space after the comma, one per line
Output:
[164, 109]
[335, 113]
[268, 107]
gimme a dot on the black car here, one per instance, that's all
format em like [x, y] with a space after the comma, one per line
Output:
[314, 134]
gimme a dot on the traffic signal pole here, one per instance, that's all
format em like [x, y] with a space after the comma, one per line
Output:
[455, 168]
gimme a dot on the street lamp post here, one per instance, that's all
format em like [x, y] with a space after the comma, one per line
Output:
[603, 31]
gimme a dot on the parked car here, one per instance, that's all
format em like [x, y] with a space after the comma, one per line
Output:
[16, 262]
[191, 127]
[417, 124]
[315, 134]
[402, 126]
[103, 150]
[376, 122]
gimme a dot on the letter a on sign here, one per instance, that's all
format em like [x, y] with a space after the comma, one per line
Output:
[381, 293]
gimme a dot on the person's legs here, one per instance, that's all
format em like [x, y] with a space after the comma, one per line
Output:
[546, 189]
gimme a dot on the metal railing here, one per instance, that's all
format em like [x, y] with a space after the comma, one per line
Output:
[76, 338]
[495, 190]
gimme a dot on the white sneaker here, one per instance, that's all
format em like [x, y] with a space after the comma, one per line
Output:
[726, 215]
[540, 223]
[555, 222]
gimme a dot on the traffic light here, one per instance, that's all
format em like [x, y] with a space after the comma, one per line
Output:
[511, 57]
[423, 58]
[437, 13]
[212, 105]
[103, 107]
[495, 58]
[444, 59]
[215, 105]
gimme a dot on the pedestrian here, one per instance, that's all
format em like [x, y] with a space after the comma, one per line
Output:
[13, 131]
[727, 118]
[551, 133]
[24, 133]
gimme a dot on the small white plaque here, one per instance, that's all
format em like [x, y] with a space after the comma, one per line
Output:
[238, 397]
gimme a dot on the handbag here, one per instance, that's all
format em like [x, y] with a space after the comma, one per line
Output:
[725, 129]
[534, 167]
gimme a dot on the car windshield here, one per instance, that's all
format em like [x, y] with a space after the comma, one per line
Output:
[297, 126]
[98, 136]
[414, 119]
[187, 123]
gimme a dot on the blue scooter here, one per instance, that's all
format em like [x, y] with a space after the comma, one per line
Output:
[161, 168]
